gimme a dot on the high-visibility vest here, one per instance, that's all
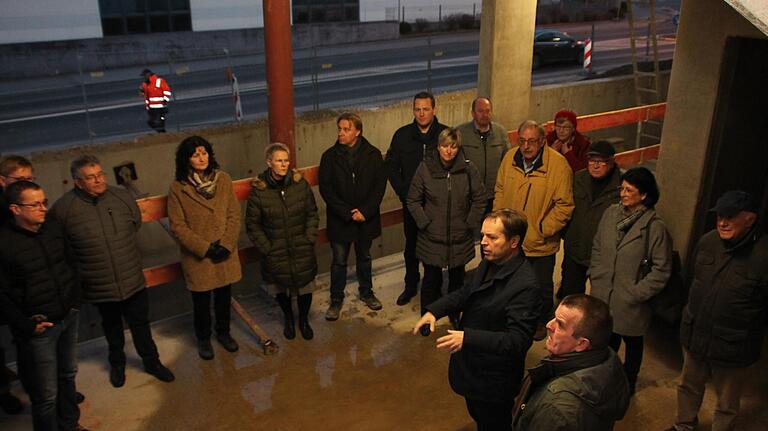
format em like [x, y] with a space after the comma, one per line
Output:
[157, 92]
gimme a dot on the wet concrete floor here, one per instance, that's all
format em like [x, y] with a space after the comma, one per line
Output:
[362, 372]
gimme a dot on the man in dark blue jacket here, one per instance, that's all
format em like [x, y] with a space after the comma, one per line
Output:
[352, 183]
[410, 145]
[500, 310]
[38, 296]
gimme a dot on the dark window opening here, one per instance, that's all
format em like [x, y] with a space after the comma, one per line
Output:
[120, 17]
[312, 11]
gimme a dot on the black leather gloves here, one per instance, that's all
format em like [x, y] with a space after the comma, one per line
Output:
[217, 252]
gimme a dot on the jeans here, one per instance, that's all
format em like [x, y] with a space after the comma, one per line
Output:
[574, 279]
[543, 268]
[47, 367]
[201, 302]
[432, 285]
[411, 231]
[136, 312]
[728, 383]
[340, 252]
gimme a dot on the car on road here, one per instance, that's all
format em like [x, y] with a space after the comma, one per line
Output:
[552, 46]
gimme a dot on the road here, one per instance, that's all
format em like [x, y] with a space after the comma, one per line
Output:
[49, 113]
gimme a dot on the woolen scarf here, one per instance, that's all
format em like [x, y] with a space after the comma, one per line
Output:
[628, 219]
[205, 185]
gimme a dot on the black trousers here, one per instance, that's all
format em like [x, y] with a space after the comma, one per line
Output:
[135, 310]
[411, 231]
[633, 354]
[490, 416]
[544, 267]
[574, 278]
[201, 302]
[156, 118]
[432, 285]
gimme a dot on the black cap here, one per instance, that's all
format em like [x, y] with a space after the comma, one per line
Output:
[733, 202]
[146, 72]
[601, 148]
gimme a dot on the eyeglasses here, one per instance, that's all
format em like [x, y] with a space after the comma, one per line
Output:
[562, 127]
[627, 189]
[532, 141]
[598, 162]
[19, 178]
[35, 205]
[93, 177]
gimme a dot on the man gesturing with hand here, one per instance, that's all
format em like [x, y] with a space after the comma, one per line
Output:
[500, 308]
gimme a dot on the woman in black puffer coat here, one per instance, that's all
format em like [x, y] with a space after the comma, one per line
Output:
[281, 220]
[446, 199]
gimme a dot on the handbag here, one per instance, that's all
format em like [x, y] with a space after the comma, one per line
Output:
[669, 302]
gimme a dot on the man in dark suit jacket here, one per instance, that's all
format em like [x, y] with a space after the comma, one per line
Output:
[352, 183]
[500, 309]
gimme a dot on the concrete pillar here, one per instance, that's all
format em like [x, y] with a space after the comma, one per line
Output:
[279, 63]
[506, 53]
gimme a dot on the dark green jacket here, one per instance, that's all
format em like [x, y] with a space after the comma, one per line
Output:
[724, 320]
[587, 214]
[574, 397]
[281, 219]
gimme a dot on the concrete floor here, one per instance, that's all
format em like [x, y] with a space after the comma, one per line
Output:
[363, 372]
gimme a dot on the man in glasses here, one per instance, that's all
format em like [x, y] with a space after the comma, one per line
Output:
[537, 180]
[594, 190]
[101, 223]
[13, 168]
[38, 297]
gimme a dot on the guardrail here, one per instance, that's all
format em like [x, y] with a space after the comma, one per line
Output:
[154, 208]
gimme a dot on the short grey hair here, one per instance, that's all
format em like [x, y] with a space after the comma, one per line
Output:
[275, 147]
[81, 162]
[531, 124]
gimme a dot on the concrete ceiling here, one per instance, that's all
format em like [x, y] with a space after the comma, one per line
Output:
[756, 11]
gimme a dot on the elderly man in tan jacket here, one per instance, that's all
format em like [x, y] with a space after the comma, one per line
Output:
[537, 180]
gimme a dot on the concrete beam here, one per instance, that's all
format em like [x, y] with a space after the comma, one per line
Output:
[506, 53]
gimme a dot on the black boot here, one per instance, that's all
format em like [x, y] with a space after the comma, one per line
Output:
[305, 301]
[289, 331]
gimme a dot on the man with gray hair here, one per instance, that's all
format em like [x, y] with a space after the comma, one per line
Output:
[537, 180]
[101, 223]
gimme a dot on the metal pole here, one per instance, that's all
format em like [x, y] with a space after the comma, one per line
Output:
[315, 81]
[429, 63]
[173, 93]
[85, 96]
[277, 41]
[474, 11]
[440, 13]
[648, 40]
[399, 16]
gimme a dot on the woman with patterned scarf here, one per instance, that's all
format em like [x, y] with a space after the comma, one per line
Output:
[204, 215]
[629, 233]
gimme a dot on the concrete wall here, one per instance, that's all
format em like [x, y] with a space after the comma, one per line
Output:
[47, 20]
[27, 60]
[691, 105]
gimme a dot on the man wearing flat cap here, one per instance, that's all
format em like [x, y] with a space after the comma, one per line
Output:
[723, 323]
[594, 190]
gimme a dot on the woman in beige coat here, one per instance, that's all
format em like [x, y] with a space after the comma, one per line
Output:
[205, 220]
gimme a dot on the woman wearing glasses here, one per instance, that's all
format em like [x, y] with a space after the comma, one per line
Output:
[566, 140]
[204, 215]
[629, 233]
[447, 200]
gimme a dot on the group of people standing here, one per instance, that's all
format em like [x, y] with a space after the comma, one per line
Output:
[454, 184]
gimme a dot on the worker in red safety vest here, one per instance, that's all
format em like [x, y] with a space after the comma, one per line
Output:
[157, 94]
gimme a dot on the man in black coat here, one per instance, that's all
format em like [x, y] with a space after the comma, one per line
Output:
[38, 298]
[410, 145]
[500, 311]
[352, 183]
[724, 321]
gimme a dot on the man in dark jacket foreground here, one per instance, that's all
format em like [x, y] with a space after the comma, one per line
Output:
[38, 294]
[581, 385]
[352, 183]
[500, 309]
[723, 324]
[101, 223]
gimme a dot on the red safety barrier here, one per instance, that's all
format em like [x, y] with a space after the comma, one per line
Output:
[154, 208]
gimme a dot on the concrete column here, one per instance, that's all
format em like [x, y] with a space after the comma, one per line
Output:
[279, 63]
[506, 53]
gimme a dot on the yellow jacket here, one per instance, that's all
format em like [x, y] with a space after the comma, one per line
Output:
[545, 195]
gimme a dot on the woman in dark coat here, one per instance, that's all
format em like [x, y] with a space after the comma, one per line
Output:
[568, 141]
[446, 200]
[204, 216]
[281, 219]
[618, 249]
